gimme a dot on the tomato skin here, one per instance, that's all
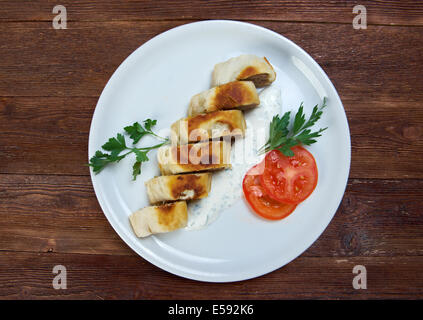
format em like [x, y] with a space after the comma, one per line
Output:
[289, 179]
[259, 201]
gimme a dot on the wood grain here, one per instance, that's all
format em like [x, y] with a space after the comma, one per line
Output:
[72, 69]
[41, 61]
[29, 276]
[60, 214]
[45, 135]
[391, 12]
[50, 81]
[49, 135]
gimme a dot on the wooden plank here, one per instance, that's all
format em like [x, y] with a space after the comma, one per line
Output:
[29, 276]
[41, 61]
[60, 214]
[49, 84]
[366, 65]
[379, 12]
[71, 63]
[54, 214]
[386, 138]
[50, 136]
[45, 135]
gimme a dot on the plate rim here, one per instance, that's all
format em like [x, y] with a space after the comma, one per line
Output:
[156, 260]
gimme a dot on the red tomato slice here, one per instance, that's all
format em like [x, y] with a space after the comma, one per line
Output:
[261, 203]
[289, 179]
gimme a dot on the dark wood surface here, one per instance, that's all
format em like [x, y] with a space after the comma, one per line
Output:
[50, 81]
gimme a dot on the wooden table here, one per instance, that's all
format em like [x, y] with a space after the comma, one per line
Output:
[50, 81]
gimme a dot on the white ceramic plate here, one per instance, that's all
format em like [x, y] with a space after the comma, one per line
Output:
[156, 81]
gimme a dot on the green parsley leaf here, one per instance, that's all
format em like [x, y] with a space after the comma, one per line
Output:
[299, 119]
[115, 144]
[136, 170]
[99, 161]
[148, 124]
[283, 139]
[137, 131]
[141, 156]
[118, 144]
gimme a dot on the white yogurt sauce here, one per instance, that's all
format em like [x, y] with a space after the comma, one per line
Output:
[226, 187]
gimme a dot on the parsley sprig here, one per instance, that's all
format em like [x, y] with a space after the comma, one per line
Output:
[116, 145]
[137, 131]
[283, 138]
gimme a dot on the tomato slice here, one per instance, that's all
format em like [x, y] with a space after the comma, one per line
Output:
[289, 179]
[261, 203]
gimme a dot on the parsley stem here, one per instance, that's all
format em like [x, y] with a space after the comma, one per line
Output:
[158, 137]
[146, 148]
[153, 147]
[283, 137]
[116, 145]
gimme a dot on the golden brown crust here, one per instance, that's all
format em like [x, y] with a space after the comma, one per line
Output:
[206, 126]
[253, 74]
[244, 67]
[248, 72]
[159, 219]
[170, 216]
[178, 187]
[232, 95]
[195, 122]
[194, 157]
[190, 182]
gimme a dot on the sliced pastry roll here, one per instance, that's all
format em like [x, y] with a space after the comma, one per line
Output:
[232, 95]
[203, 156]
[159, 219]
[203, 127]
[244, 67]
[179, 187]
